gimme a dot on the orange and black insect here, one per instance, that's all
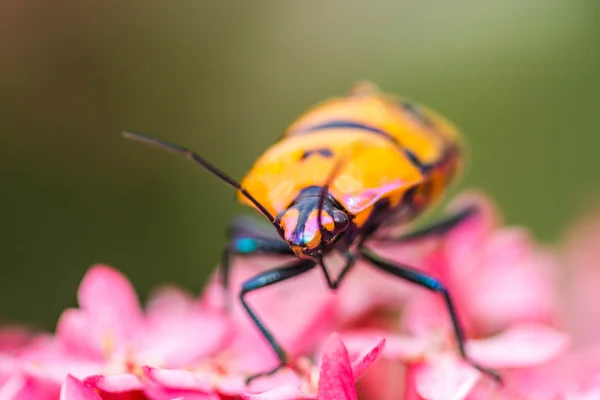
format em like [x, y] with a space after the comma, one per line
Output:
[341, 176]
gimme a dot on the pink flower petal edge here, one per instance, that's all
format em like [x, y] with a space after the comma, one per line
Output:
[447, 378]
[336, 381]
[74, 389]
[282, 393]
[524, 345]
[119, 383]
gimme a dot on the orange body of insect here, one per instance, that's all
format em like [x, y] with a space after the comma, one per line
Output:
[395, 159]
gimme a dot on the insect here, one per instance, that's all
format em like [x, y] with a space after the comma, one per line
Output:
[341, 176]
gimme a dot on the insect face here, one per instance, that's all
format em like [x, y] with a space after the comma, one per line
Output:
[301, 228]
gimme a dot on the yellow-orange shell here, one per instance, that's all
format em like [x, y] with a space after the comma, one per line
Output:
[370, 165]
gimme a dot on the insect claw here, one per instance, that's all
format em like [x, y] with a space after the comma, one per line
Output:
[264, 374]
[489, 372]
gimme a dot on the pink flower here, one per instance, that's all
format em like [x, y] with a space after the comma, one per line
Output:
[503, 285]
[178, 348]
[110, 335]
[500, 282]
[497, 275]
[437, 371]
[336, 378]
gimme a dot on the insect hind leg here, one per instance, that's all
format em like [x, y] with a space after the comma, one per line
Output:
[429, 282]
[436, 228]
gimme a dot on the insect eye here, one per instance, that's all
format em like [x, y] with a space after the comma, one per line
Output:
[340, 219]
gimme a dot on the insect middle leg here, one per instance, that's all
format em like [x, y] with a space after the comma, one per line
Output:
[431, 283]
[264, 279]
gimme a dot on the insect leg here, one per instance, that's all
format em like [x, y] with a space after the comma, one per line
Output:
[265, 279]
[350, 262]
[437, 228]
[247, 238]
[431, 283]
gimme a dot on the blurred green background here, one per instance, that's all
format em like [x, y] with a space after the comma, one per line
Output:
[225, 78]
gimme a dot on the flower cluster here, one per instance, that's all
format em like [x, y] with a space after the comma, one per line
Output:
[542, 338]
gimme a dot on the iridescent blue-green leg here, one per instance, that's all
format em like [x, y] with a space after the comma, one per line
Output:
[260, 281]
[429, 282]
[436, 228]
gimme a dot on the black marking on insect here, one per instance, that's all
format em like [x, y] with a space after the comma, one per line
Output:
[424, 168]
[324, 152]
[348, 125]
[415, 111]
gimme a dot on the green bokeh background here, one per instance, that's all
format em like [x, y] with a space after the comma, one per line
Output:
[521, 78]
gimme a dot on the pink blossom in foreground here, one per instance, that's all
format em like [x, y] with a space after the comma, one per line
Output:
[110, 335]
[437, 371]
[336, 377]
[504, 286]
[504, 290]
[178, 347]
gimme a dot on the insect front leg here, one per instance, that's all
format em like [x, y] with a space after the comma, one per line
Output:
[247, 237]
[350, 262]
[268, 278]
[247, 245]
[431, 283]
[436, 228]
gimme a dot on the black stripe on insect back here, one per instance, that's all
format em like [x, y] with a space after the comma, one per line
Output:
[424, 168]
[416, 111]
[347, 125]
[323, 152]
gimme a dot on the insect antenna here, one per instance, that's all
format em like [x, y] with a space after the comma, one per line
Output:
[190, 155]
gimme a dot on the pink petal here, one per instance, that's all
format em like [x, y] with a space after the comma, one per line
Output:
[182, 339]
[336, 381]
[516, 284]
[445, 378]
[73, 389]
[364, 361]
[282, 393]
[110, 300]
[177, 379]
[50, 360]
[524, 345]
[405, 348]
[73, 331]
[13, 338]
[22, 387]
[169, 301]
[121, 383]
